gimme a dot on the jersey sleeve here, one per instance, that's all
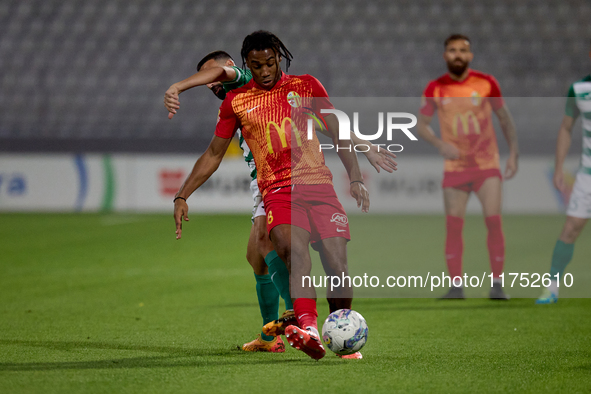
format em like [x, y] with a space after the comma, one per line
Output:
[320, 97]
[228, 122]
[242, 78]
[428, 105]
[571, 108]
[496, 98]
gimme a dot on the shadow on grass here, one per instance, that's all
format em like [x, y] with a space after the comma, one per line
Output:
[426, 304]
[172, 357]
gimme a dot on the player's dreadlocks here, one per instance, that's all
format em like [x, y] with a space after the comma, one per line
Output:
[261, 40]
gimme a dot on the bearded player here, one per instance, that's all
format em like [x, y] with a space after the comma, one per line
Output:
[295, 183]
[578, 102]
[465, 99]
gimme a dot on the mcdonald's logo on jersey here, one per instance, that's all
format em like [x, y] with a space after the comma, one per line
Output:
[284, 132]
[466, 123]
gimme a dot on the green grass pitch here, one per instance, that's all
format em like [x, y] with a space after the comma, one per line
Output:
[113, 303]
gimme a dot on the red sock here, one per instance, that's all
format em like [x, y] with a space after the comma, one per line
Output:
[496, 244]
[454, 245]
[305, 311]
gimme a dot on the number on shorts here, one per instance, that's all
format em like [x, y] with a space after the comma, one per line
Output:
[270, 217]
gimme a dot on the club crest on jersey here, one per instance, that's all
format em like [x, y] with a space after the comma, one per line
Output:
[294, 99]
[475, 98]
[339, 219]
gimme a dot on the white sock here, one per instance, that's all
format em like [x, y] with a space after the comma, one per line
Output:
[313, 331]
[553, 286]
[497, 280]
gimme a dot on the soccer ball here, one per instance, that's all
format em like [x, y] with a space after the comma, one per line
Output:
[344, 331]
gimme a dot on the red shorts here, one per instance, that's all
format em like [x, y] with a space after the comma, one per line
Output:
[315, 208]
[468, 180]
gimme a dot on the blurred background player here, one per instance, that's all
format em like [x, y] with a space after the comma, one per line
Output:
[578, 102]
[464, 99]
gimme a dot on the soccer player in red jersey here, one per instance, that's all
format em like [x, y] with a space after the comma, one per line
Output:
[218, 71]
[465, 100]
[296, 185]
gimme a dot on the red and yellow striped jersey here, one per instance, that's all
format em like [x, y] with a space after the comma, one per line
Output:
[465, 118]
[274, 124]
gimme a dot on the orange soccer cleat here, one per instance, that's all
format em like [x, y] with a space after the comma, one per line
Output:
[277, 327]
[354, 356]
[260, 345]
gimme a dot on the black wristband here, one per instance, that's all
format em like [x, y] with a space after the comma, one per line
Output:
[357, 181]
[182, 198]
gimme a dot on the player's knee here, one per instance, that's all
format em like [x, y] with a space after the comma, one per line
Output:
[250, 255]
[264, 244]
[572, 230]
[260, 230]
[335, 267]
[283, 249]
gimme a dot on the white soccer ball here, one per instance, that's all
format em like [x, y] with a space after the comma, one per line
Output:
[344, 331]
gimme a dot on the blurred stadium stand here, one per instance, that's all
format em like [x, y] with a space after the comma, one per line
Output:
[90, 75]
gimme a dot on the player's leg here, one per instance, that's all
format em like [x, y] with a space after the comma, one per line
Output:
[277, 269]
[490, 194]
[330, 233]
[577, 214]
[268, 298]
[278, 274]
[561, 256]
[330, 228]
[455, 201]
[291, 244]
[333, 255]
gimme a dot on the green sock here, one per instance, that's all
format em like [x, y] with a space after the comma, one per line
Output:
[563, 254]
[279, 276]
[268, 301]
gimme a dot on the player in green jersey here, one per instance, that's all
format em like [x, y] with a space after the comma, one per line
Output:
[578, 102]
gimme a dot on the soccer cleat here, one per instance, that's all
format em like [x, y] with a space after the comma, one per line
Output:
[305, 341]
[547, 297]
[497, 293]
[260, 345]
[354, 356]
[277, 327]
[454, 293]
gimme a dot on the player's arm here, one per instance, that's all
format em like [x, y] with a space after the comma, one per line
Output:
[562, 146]
[349, 159]
[508, 127]
[203, 77]
[448, 151]
[377, 157]
[205, 166]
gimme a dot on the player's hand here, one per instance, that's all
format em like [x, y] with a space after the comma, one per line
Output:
[559, 180]
[359, 192]
[171, 101]
[381, 157]
[448, 151]
[511, 168]
[181, 210]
